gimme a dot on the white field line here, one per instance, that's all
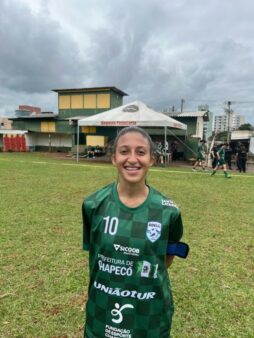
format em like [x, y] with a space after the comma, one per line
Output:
[219, 173]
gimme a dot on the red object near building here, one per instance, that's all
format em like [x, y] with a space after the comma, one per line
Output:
[18, 142]
[6, 142]
[23, 146]
[13, 142]
[32, 109]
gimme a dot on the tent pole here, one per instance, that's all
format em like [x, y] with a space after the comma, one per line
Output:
[186, 146]
[165, 140]
[78, 141]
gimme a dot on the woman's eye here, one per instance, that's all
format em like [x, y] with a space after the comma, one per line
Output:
[141, 152]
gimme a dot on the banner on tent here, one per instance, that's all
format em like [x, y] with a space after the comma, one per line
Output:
[118, 123]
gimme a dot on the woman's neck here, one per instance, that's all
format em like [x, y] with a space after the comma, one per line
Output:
[132, 195]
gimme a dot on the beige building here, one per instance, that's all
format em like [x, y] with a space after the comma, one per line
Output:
[5, 123]
[234, 121]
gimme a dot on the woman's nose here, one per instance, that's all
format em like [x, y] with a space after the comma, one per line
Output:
[132, 157]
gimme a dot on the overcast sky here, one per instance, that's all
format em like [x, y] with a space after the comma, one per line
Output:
[156, 51]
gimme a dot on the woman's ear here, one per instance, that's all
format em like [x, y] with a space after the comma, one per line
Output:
[152, 161]
[113, 159]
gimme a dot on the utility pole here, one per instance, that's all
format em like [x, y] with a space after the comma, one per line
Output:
[182, 102]
[229, 122]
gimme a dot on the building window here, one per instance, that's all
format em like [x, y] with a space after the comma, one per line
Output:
[64, 102]
[48, 127]
[90, 101]
[77, 101]
[88, 130]
[96, 141]
[103, 101]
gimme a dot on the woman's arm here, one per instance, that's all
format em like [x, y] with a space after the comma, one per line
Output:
[169, 260]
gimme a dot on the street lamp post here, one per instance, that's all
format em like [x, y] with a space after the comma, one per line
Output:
[229, 122]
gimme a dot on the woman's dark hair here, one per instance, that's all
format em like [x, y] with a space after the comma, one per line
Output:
[134, 129]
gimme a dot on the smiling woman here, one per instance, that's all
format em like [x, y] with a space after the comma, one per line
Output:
[132, 155]
[128, 228]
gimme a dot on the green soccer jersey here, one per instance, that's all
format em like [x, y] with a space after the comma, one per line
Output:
[129, 293]
[221, 153]
[201, 152]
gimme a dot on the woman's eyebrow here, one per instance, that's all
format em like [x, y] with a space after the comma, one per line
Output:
[127, 146]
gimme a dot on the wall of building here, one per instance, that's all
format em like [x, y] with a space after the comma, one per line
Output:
[44, 141]
[25, 124]
[190, 122]
[44, 125]
[5, 123]
[87, 104]
[116, 100]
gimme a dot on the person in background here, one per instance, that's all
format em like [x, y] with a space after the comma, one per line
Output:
[214, 155]
[174, 150]
[228, 156]
[241, 157]
[237, 149]
[166, 152]
[221, 161]
[159, 152]
[201, 156]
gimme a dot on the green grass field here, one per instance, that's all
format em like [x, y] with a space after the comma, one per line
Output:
[44, 273]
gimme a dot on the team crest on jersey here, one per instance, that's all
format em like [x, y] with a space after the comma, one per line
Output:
[153, 231]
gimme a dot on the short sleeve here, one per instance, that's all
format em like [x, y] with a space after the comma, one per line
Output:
[175, 228]
[86, 227]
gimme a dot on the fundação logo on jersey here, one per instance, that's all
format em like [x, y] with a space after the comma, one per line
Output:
[117, 312]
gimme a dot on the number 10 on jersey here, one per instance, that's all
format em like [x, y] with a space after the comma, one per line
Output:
[111, 225]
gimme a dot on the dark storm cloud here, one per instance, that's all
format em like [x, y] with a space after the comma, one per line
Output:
[35, 54]
[165, 51]
[156, 51]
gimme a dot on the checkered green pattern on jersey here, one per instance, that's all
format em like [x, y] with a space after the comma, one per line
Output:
[148, 314]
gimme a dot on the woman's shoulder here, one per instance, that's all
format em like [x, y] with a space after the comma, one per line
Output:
[99, 195]
[161, 199]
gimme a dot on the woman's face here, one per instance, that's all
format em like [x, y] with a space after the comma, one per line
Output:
[132, 157]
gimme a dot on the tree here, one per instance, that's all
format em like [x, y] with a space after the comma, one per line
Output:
[203, 107]
[246, 126]
[222, 136]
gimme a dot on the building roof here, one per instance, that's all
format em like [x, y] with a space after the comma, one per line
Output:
[242, 134]
[13, 132]
[74, 118]
[35, 116]
[199, 113]
[90, 89]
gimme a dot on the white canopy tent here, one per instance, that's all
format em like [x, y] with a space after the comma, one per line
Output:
[132, 114]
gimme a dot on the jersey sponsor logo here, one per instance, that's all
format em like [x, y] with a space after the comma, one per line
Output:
[114, 332]
[115, 260]
[169, 203]
[124, 293]
[148, 270]
[127, 250]
[153, 231]
[117, 312]
[115, 269]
